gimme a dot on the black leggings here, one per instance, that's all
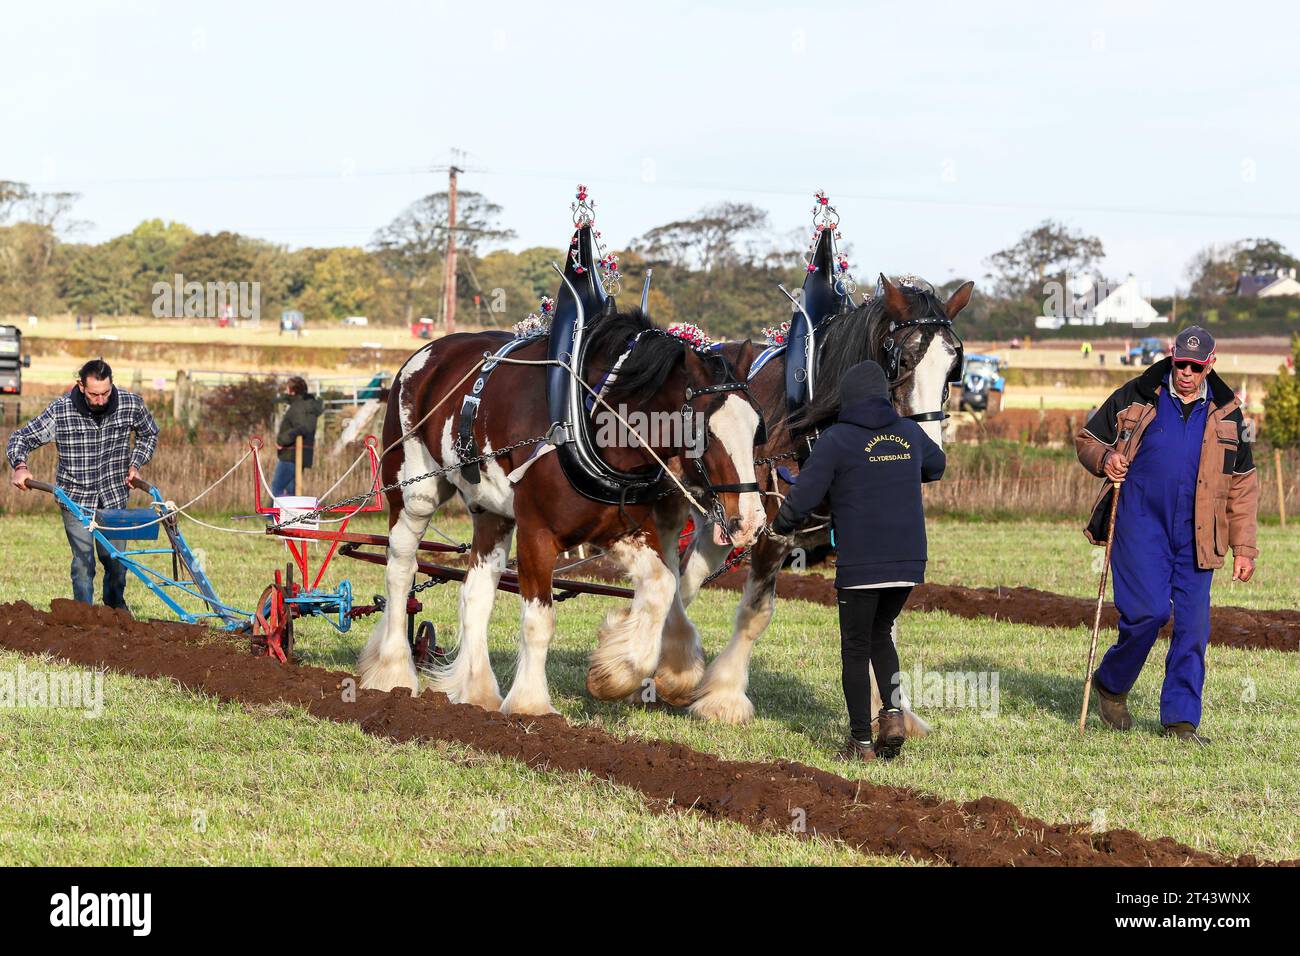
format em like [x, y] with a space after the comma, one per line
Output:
[867, 618]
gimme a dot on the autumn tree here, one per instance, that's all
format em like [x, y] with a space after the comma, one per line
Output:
[410, 249]
[1050, 252]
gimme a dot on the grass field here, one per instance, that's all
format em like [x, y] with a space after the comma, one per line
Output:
[280, 787]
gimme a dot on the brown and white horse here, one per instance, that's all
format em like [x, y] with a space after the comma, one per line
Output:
[660, 375]
[926, 350]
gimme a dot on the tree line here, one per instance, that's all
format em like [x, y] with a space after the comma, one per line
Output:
[718, 268]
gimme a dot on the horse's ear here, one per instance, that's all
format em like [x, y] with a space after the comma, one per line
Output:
[694, 365]
[959, 299]
[744, 361]
[895, 301]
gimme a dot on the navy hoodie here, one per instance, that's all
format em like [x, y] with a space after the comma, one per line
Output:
[870, 464]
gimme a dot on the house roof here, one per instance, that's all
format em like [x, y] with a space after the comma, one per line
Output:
[1254, 285]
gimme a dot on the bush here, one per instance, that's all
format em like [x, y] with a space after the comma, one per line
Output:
[240, 409]
[1282, 405]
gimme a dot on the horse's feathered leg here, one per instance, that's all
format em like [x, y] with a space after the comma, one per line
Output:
[385, 662]
[721, 695]
[681, 656]
[468, 679]
[702, 558]
[630, 637]
[529, 693]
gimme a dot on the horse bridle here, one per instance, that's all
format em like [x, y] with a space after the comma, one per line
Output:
[717, 513]
[892, 349]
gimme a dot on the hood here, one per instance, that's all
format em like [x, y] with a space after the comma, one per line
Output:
[872, 412]
[864, 380]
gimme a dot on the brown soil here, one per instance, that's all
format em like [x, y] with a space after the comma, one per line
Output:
[879, 820]
[1229, 626]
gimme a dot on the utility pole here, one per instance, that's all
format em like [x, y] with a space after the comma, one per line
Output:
[449, 310]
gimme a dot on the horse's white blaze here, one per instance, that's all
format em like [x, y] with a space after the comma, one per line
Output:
[734, 425]
[928, 381]
[493, 492]
[468, 679]
[631, 637]
[529, 693]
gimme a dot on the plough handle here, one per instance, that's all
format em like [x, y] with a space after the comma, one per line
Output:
[40, 485]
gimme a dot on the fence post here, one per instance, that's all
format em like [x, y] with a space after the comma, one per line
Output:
[297, 466]
[178, 397]
[1281, 486]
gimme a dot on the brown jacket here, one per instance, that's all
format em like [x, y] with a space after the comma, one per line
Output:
[1227, 486]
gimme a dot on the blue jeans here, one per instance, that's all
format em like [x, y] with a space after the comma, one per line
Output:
[282, 481]
[84, 546]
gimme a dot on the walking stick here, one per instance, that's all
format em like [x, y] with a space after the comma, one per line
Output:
[1096, 621]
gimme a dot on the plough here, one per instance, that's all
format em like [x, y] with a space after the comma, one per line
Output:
[295, 592]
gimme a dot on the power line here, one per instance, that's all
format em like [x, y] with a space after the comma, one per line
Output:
[686, 184]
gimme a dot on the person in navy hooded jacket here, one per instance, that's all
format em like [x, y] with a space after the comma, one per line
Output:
[870, 465]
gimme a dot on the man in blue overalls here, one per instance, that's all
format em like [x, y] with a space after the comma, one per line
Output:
[1176, 438]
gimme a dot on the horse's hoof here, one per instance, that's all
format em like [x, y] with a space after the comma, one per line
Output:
[677, 689]
[535, 708]
[724, 708]
[377, 676]
[613, 681]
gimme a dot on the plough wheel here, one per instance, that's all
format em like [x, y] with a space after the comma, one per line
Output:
[273, 620]
[425, 647]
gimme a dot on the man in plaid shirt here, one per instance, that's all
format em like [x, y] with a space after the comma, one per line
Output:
[91, 427]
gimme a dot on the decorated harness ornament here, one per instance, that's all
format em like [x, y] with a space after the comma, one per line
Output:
[584, 216]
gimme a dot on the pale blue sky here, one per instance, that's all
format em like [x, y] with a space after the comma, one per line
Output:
[941, 130]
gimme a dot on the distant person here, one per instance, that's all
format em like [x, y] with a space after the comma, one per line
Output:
[1175, 437]
[299, 421]
[868, 456]
[91, 427]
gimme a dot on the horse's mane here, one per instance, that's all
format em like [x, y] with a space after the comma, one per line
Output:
[644, 372]
[844, 340]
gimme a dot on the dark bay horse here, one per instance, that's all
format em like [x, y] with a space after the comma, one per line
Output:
[660, 375]
[925, 352]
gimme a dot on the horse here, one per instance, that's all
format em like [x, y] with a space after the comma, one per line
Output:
[654, 373]
[909, 331]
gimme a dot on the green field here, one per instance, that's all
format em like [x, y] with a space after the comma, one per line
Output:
[166, 776]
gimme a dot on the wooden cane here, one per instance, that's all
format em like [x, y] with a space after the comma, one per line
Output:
[1096, 621]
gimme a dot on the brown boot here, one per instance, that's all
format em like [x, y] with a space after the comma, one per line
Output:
[890, 735]
[1112, 708]
[856, 750]
[1186, 733]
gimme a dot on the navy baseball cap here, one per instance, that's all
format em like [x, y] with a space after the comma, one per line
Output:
[1194, 344]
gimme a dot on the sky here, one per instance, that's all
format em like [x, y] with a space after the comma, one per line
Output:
[940, 131]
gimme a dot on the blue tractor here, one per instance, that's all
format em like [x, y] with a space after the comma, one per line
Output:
[1146, 352]
[982, 383]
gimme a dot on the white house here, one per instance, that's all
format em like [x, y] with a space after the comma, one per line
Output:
[1265, 286]
[1100, 303]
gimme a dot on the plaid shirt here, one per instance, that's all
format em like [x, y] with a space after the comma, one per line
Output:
[93, 458]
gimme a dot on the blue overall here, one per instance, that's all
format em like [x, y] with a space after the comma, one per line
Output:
[1154, 563]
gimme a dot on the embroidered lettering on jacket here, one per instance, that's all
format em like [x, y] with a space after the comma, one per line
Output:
[882, 456]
